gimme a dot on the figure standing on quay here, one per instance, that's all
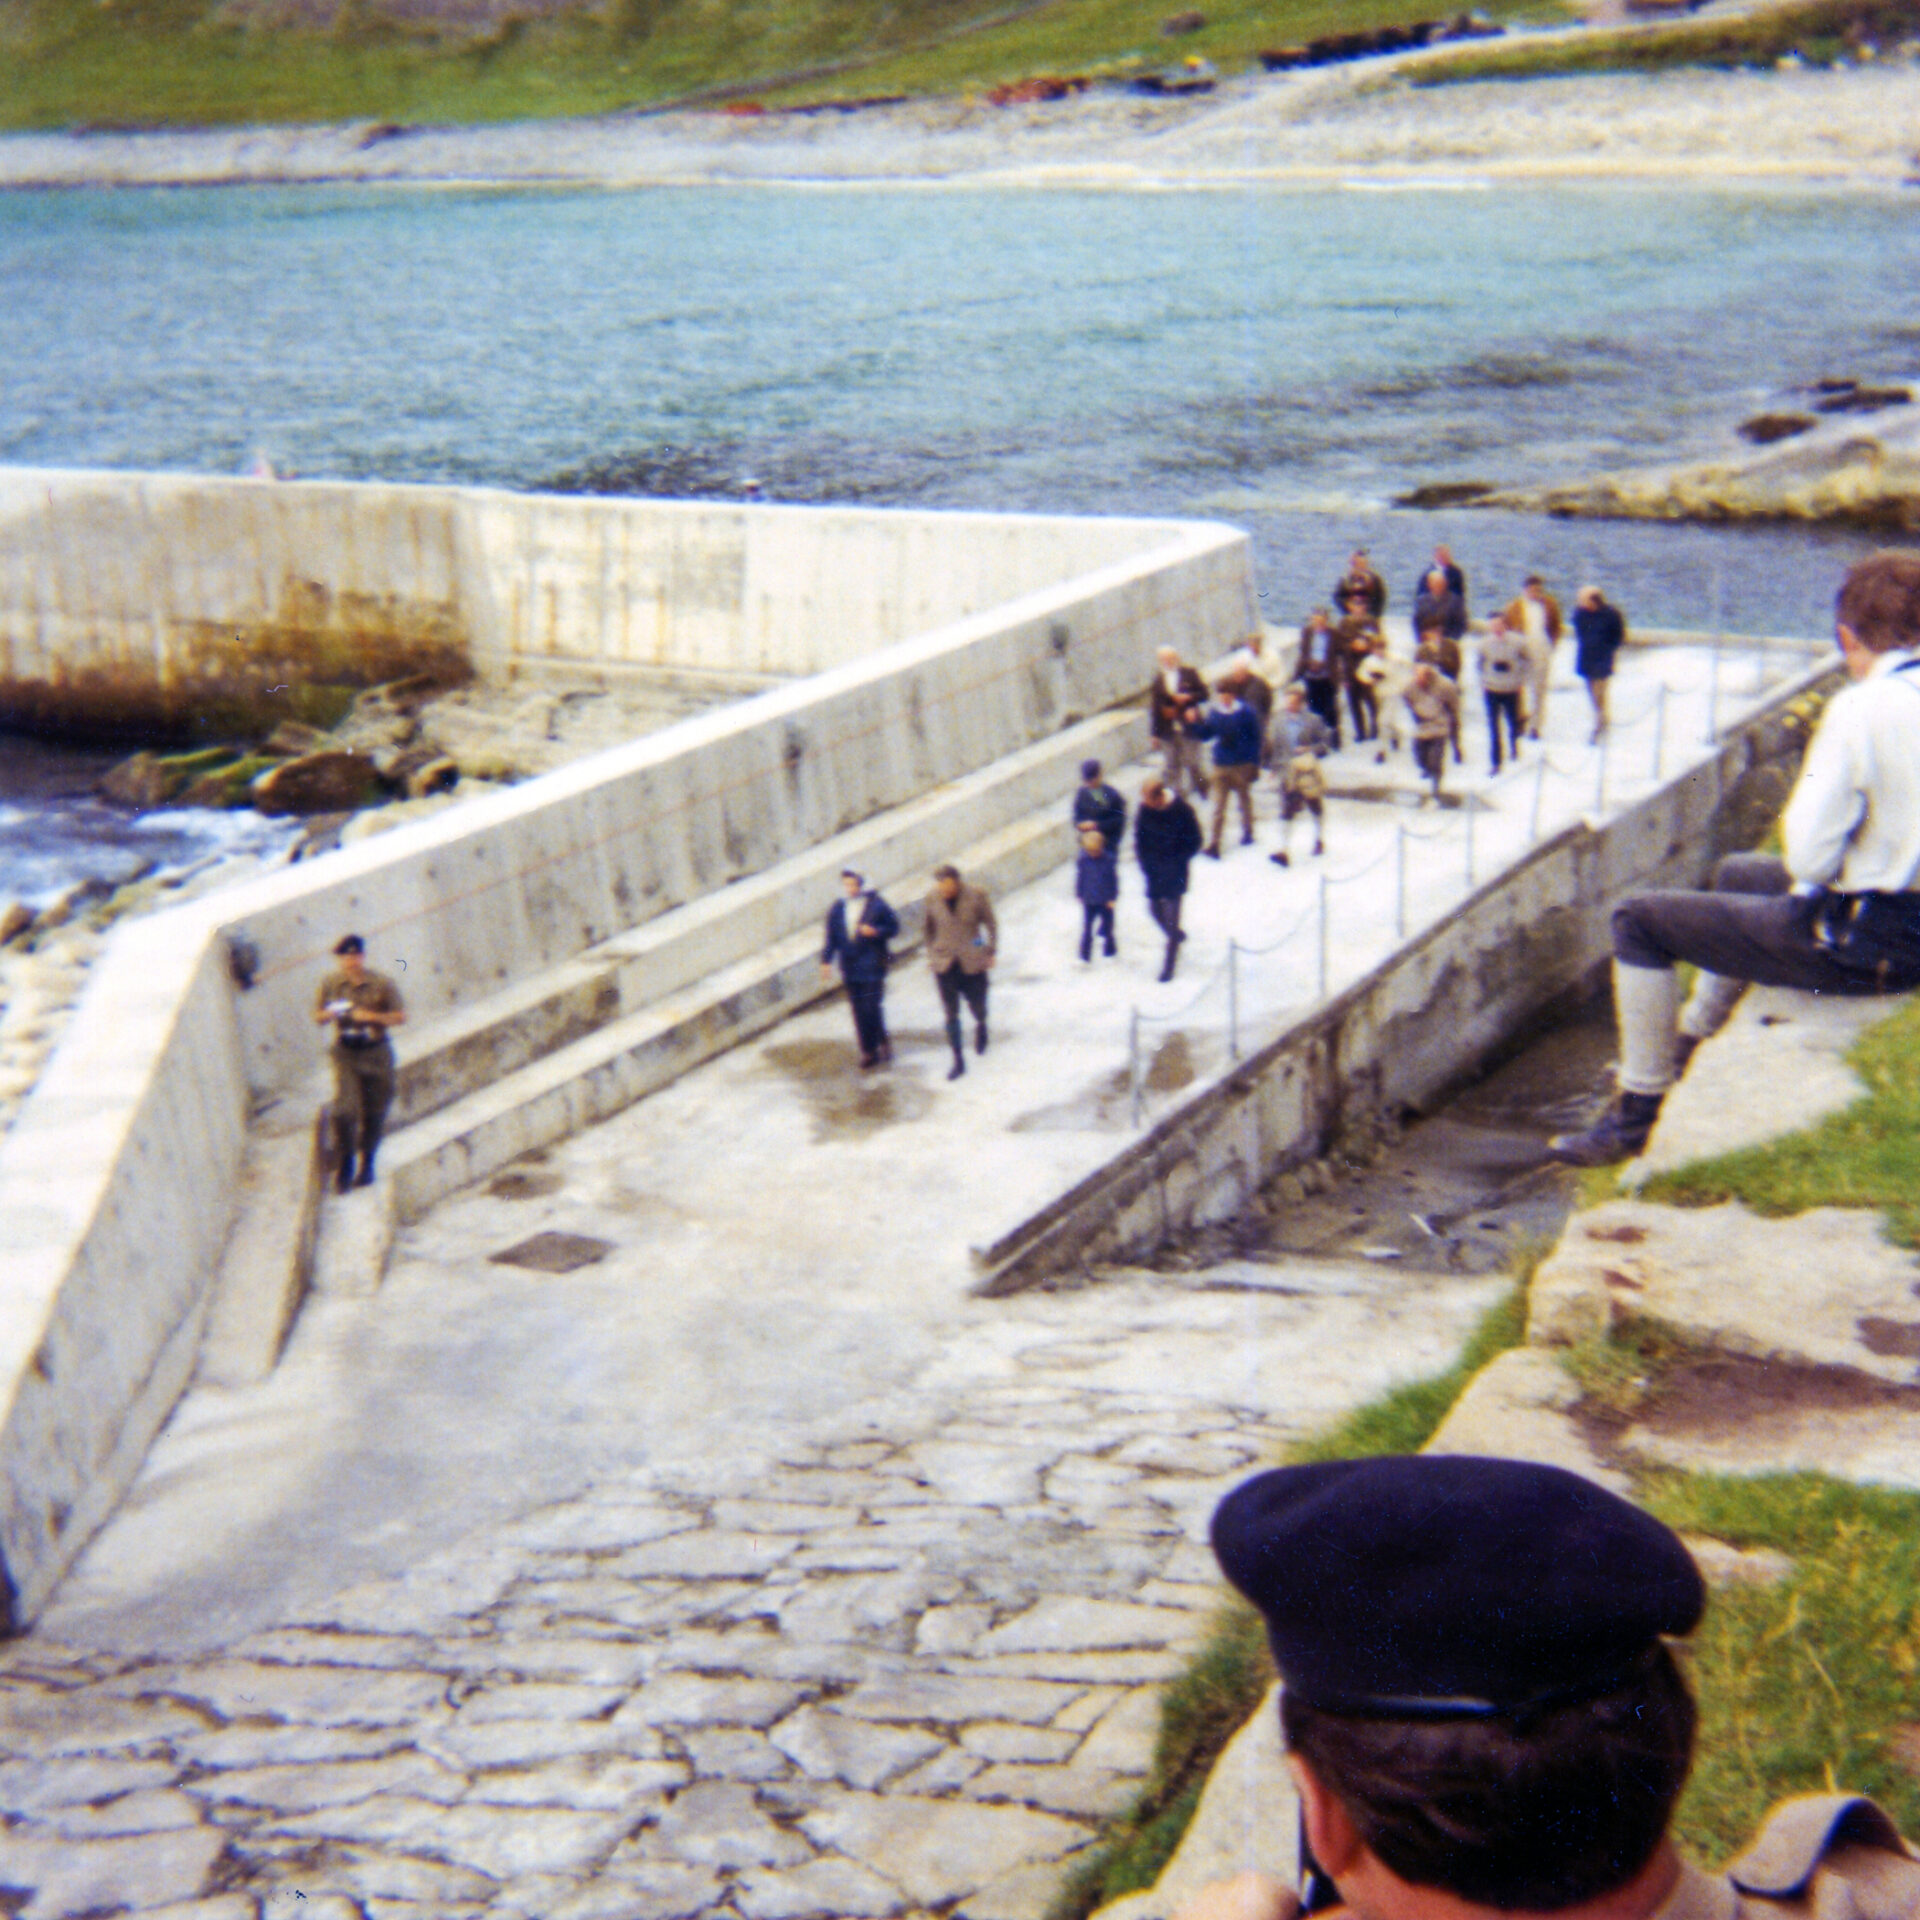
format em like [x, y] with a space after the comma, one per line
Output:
[1177, 695]
[859, 925]
[962, 943]
[1166, 837]
[362, 1006]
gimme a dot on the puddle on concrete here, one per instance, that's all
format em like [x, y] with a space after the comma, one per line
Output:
[1108, 1102]
[846, 1101]
[1461, 1188]
[520, 1182]
[554, 1252]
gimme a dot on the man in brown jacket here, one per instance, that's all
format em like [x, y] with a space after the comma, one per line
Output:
[1174, 702]
[1534, 614]
[962, 938]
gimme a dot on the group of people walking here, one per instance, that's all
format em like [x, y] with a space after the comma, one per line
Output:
[1345, 658]
[1215, 741]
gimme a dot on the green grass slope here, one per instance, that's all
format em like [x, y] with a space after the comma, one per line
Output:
[185, 63]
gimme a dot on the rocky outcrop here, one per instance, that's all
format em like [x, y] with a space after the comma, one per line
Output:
[1849, 470]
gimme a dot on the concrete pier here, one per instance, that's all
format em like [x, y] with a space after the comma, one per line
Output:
[754, 1564]
[931, 646]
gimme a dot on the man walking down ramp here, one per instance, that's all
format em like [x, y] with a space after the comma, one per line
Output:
[1841, 912]
[962, 938]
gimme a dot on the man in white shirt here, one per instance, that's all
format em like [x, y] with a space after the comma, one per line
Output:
[1841, 912]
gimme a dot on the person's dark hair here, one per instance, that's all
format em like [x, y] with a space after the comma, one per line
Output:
[946, 873]
[1561, 1808]
[1880, 601]
[351, 943]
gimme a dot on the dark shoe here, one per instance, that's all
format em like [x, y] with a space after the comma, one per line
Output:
[1246, 839]
[1619, 1134]
[958, 1068]
[1166, 971]
[1086, 950]
[1279, 859]
[1318, 849]
[869, 1060]
[343, 1181]
[364, 1178]
[980, 1038]
[1211, 853]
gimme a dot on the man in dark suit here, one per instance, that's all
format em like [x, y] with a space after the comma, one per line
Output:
[858, 929]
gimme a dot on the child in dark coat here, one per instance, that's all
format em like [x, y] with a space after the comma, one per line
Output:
[1096, 884]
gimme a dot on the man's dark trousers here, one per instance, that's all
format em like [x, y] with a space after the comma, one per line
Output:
[957, 984]
[1748, 928]
[867, 998]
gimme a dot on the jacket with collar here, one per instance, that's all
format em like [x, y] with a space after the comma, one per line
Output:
[961, 930]
[860, 956]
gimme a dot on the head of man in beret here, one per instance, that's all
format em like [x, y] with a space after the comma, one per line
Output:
[1481, 1710]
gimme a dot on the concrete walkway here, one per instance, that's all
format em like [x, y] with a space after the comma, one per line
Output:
[748, 1566]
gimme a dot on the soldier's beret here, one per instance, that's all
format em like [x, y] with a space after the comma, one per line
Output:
[1441, 1586]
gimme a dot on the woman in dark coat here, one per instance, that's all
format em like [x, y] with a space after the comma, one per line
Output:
[1166, 836]
[1599, 632]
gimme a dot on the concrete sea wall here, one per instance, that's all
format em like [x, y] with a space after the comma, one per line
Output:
[1428, 1016]
[118, 1178]
[141, 603]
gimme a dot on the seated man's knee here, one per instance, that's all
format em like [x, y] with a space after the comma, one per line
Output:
[1636, 941]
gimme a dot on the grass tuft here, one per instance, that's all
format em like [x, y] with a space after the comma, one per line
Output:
[1866, 1156]
[1811, 1684]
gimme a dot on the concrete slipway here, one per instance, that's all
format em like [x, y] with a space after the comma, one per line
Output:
[758, 1568]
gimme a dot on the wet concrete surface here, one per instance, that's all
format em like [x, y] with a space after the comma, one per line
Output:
[1463, 1189]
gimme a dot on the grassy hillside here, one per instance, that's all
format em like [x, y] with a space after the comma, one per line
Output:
[147, 63]
[1817, 32]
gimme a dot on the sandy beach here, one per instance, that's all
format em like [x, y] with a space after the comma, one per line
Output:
[1361, 125]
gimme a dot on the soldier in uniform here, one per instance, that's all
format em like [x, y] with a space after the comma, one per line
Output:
[1483, 1717]
[361, 1006]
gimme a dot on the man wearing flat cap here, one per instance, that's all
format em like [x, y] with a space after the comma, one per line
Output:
[1482, 1714]
[362, 1007]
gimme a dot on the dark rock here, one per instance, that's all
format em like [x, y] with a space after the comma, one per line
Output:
[155, 779]
[228, 786]
[332, 781]
[1446, 493]
[292, 737]
[1765, 428]
[1858, 399]
[420, 770]
[1176, 24]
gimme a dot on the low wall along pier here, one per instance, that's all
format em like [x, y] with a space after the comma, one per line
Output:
[922, 649]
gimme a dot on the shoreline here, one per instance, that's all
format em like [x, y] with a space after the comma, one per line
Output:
[1361, 129]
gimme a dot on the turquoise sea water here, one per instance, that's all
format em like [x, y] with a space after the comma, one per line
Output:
[1288, 360]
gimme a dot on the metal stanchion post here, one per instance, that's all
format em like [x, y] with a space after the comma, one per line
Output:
[1660, 734]
[1400, 881]
[1466, 807]
[1539, 792]
[1133, 1064]
[1233, 1000]
[1600, 776]
[1323, 936]
[1713, 669]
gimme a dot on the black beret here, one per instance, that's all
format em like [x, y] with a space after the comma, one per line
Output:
[1443, 1586]
[351, 944]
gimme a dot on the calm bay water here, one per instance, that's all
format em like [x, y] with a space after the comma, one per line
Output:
[1286, 360]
